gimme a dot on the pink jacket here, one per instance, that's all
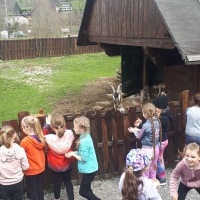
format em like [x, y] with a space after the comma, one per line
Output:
[189, 177]
[57, 148]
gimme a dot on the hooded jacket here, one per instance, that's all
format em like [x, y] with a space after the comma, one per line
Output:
[165, 118]
[147, 191]
[13, 161]
[35, 153]
[189, 177]
[56, 152]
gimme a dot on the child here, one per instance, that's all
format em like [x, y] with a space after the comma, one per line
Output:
[13, 161]
[188, 170]
[193, 122]
[34, 146]
[86, 156]
[133, 185]
[149, 136]
[162, 109]
[59, 144]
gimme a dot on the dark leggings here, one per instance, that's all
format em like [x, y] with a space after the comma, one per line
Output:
[58, 178]
[183, 190]
[12, 192]
[85, 187]
[35, 186]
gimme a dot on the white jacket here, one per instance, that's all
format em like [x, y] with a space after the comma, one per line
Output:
[13, 161]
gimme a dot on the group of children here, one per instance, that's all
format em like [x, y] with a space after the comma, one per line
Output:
[145, 168]
[27, 159]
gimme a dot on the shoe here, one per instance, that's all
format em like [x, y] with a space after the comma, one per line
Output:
[163, 181]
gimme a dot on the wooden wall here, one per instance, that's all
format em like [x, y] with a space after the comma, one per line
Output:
[181, 77]
[127, 22]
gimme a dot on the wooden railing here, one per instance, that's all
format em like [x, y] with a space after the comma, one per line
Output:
[111, 138]
[43, 47]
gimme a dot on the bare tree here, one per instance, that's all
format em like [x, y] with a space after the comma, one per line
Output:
[45, 20]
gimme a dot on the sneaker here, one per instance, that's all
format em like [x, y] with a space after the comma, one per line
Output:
[163, 181]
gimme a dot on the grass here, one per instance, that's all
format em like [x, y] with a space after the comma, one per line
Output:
[32, 84]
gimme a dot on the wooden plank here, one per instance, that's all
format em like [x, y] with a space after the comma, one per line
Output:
[100, 150]
[120, 136]
[108, 118]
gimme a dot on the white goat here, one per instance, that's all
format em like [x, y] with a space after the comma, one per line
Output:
[117, 98]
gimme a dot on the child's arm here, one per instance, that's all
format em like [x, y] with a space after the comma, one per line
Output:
[173, 185]
[74, 154]
[46, 128]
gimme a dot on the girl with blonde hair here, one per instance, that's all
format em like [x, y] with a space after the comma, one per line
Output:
[149, 134]
[13, 161]
[86, 156]
[34, 146]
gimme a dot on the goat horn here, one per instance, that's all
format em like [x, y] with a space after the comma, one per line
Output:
[119, 88]
[113, 89]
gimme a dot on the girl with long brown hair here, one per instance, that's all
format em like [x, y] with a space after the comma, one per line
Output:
[133, 185]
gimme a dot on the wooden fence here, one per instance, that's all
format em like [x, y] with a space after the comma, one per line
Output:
[111, 138]
[43, 47]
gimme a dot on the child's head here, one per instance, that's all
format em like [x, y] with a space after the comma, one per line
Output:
[31, 125]
[161, 103]
[58, 124]
[81, 125]
[148, 110]
[196, 99]
[191, 154]
[7, 136]
[136, 161]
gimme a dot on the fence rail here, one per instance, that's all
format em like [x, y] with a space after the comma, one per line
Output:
[43, 47]
[111, 138]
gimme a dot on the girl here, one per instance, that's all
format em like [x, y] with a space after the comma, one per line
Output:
[13, 161]
[34, 146]
[188, 170]
[59, 144]
[162, 109]
[86, 156]
[132, 184]
[192, 131]
[149, 136]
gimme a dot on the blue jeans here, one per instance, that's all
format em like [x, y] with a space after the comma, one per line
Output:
[191, 139]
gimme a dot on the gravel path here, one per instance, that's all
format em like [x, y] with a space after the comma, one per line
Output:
[108, 190]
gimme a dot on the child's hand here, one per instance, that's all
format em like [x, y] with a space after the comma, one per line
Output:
[175, 197]
[48, 119]
[69, 154]
[137, 122]
[133, 130]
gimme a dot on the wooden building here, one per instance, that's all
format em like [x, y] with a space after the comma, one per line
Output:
[158, 40]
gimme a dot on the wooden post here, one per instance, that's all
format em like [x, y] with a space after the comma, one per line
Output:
[184, 103]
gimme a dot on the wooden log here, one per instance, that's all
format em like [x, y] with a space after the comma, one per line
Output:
[184, 101]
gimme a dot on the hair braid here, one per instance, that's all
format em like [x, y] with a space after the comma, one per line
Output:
[153, 132]
[160, 130]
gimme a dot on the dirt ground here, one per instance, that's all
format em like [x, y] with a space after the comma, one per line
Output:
[95, 96]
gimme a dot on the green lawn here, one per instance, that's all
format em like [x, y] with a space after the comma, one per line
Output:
[32, 84]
